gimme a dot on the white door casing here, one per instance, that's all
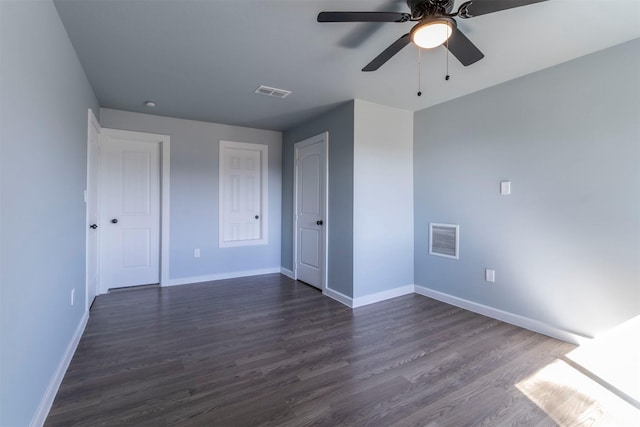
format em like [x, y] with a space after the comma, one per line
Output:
[243, 194]
[91, 199]
[310, 197]
[130, 209]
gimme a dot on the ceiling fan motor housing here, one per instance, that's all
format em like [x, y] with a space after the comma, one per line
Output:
[422, 8]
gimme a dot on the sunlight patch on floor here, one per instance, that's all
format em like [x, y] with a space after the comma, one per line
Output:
[571, 398]
[614, 357]
[597, 384]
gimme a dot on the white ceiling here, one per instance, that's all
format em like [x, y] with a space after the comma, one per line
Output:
[203, 59]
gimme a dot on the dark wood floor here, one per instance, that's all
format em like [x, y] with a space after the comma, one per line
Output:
[269, 351]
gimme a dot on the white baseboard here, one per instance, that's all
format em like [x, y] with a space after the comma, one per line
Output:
[505, 316]
[368, 299]
[342, 298]
[52, 389]
[381, 296]
[287, 273]
[223, 276]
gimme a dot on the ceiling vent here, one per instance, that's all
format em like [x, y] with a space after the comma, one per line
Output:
[272, 91]
[444, 239]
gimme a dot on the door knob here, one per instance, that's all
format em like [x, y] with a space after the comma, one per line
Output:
[257, 217]
[94, 226]
[319, 222]
[114, 221]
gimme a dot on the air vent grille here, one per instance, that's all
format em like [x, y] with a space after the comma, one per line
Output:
[444, 239]
[272, 91]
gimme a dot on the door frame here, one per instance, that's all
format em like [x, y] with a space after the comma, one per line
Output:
[164, 142]
[320, 138]
[92, 175]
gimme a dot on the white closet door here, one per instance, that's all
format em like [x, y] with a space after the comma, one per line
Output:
[243, 191]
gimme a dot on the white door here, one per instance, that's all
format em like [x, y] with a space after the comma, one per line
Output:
[310, 198]
[243, 194]
[92, 209]
[129, 210]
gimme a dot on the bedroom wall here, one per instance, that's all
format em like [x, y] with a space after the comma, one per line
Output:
[382, 199]
[370, 197]
[44, 103]
[194, 209]
[339, 123]
[566, 243]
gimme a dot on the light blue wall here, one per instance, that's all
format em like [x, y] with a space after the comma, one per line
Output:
[566, 244]
[194, 184]
[339, 123]
[382, 198]
[45, 96]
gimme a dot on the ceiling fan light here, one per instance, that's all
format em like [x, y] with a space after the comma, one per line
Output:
[432, 32]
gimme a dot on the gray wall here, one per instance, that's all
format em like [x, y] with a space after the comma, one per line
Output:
[194, 184]
[339, 124]
[566, 244]
[45, 98]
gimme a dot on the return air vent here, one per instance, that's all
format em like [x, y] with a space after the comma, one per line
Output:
[443, 240]
[272, 91]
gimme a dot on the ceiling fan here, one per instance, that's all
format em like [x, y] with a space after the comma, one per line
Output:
[436, 25]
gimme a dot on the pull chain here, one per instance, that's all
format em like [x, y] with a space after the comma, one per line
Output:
[419, 71]
[447, 45]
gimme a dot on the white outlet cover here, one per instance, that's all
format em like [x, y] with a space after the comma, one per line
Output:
[505, 188]
[490, 275]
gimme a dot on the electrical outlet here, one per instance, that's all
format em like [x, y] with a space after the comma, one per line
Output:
[490, 275]
[73, 295]
[505, 188]
[196, 253]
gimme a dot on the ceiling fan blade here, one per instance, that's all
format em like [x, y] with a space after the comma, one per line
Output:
[462, 48]
[388, 53]
[363, 17]
[482, 7]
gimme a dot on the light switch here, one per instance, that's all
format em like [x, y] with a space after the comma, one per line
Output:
[505, 188]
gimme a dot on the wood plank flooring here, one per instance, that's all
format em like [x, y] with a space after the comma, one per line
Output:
[269, 351]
